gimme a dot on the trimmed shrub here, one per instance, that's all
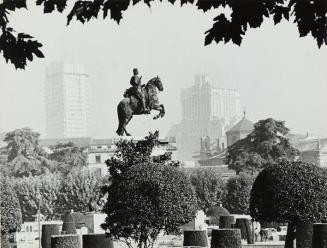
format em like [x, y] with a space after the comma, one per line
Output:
[79, 219]
[226, 238]
[226, 221]
[69, 225]
[195, 238]
[319, 237]
[65, 241]
[293, 192]
[97, 241]
[5, 240]
[282, 237]
[214, 214]
[47, 231]
[303, 235]
[246, 231]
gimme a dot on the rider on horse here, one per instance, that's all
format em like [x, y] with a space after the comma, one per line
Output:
[137, 90]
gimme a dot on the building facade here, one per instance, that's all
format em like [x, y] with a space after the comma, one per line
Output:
[206, 110]
[99, 150]
[102, 149]
[213, 153]
[67, 100]
[29, 234]
[312, 149]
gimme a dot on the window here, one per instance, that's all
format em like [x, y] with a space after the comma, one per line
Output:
[98, 159]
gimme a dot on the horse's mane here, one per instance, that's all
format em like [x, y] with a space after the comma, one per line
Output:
[151, 81]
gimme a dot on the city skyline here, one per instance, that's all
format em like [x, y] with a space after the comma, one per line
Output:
[278, 74]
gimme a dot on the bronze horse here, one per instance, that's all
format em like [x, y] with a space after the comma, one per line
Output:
[130, 105]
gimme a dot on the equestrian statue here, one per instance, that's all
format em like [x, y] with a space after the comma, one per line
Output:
[139, 99]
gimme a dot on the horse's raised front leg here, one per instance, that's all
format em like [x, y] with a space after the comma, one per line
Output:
[161, 110]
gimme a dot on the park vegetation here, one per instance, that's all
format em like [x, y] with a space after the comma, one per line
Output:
[292, 192]
[147, 194]
[238, 188]
[52, 182]
[267, 144]
[209, 187]
[11, 216]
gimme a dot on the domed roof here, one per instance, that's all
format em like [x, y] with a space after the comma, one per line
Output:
[243, 125]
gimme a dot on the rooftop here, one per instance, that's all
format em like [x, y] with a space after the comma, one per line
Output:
[243, 125]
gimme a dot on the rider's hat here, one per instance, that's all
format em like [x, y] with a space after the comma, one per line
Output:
[135, 71]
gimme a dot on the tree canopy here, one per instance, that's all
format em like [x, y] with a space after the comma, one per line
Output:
[309, 16]
[266, 145]
[24, 155]
[68, 156]
[238, 188]
[80, 191]
[209, 188]
[292, 192]
[42, 189]
[11, 216]
[147, 194]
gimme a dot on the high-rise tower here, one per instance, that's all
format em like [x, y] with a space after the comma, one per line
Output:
[67, 98]
[207, 110]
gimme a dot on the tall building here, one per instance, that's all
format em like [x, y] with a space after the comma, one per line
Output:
[67, 98]
[207, 110]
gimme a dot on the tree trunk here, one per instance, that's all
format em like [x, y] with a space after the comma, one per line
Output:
[290, 236]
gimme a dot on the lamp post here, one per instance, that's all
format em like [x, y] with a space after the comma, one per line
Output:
[39, 216]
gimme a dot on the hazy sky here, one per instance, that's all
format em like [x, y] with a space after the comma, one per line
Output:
[278, 74]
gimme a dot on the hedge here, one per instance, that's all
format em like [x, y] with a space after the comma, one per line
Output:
[319, 237]
[214, 214]
[195, 238]
[226, 221]
[47, 231]
[69, 224]
[97, 241]
[65, 241]
[226, 238]
[303, 235]
[246, 230]
[79, 219]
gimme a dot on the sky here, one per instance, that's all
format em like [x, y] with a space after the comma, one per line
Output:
[278, 74]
